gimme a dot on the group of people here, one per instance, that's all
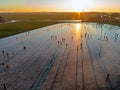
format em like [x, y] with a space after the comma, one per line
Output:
[5, 54]
[106, 37]
[116, 36]
[6, 67]
[87, 35]
[61, 41]
[54, 37]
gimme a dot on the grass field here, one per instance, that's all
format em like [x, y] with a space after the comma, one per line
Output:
[30, 21]
[18, 27]
[40, 16]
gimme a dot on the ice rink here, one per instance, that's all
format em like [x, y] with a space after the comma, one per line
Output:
[64, 56]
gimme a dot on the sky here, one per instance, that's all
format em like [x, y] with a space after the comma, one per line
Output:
[59, 5]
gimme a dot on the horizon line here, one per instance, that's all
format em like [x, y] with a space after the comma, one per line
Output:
[62, 12]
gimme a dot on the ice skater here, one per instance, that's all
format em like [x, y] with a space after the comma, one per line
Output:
[51, 37]
[7, 55]
[115, 39]
[81, 36]
[4, 86]
[66, 45]
[3, 52]
[51, 62]
[24, 47]
[81, 45]
[72, 38]
[7, 67]
[2, 64]
[116, 36]
[85, 35]
[107, 38]
[107, 77]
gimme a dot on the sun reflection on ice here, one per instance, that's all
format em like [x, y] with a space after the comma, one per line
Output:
[78, 29]
[78, 26]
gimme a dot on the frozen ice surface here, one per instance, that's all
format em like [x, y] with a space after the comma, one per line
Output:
[53, 58]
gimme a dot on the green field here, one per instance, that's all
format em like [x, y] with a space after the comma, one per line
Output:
[30, 21]
[18, 27]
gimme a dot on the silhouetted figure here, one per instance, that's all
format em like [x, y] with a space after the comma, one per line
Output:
[7, 67]
[104, 37]
[52, 37]
[116, 35]
[24, 47]
[85, 35]
[4, 86]
[81, 36]
[2, 64]
[7, 55]
[107, 77]
[51, 62]
[3, 52]
[107, 38]
[81, 45]
[72, 38]
[58, 42]
[66, 45]
[115, 38]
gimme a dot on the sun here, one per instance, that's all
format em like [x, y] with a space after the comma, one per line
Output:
[79, 5]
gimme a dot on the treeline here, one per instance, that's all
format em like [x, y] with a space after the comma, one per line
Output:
[109, 18]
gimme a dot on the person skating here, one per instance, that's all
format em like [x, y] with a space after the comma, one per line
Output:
[81, 45]
[107, 77]
[24, 47]
[4, 87]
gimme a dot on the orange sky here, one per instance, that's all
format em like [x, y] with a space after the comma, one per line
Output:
[59, 5]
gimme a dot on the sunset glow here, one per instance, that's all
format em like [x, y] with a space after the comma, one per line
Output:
[59, 5]
[79, 5]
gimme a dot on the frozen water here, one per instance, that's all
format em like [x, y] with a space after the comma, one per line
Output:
[53, 58]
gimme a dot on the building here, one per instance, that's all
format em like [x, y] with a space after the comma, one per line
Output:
[2, 19]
